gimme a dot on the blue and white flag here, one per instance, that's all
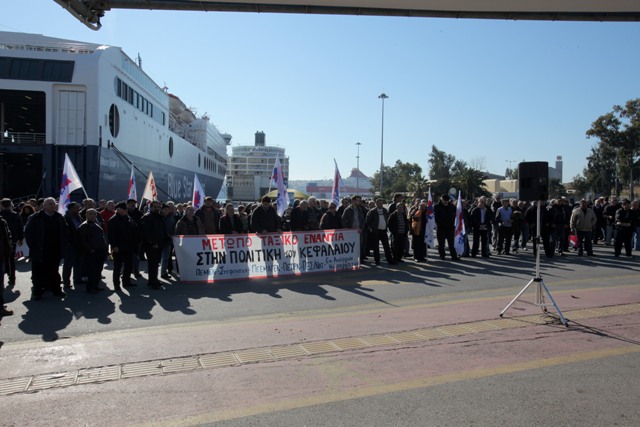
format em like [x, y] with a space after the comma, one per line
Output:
[337, 185]
[458, 242]
[431, 223]
[70, 181]
[278, 178]
[133, 193]
[198, 193]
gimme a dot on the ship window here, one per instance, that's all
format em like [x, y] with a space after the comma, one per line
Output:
[170, 146]
[36, 69]
[198, 160]
[114, 120]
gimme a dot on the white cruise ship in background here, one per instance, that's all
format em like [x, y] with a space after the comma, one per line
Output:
[96, 104]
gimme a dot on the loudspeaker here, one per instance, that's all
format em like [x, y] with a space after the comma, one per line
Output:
[533, 180]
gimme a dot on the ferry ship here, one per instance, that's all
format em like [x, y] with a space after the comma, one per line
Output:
[96, 104]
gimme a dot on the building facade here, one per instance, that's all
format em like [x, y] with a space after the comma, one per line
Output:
[251, 168]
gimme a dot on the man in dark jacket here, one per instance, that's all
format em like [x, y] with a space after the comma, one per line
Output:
[377, 221]
[153, 235]
[136, 215]
[46, 236]
[264, 219]
[72, 258]
[300, 217]
[399, 227]
[481, 221]
[230, 222]
[122, 238]
[16, 229]
[354, 217]
[445, 216]
[94, 249]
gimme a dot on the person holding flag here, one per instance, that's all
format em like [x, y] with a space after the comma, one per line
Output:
[460, 231]
[197, 201]
[278, 177]
[445, 216]
[133, 193]
[150, 190]
[337, 185]
[70, 181]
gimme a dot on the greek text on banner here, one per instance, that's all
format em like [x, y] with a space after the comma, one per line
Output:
[211, 258]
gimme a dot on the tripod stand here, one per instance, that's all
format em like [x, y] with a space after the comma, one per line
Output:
[540, 286]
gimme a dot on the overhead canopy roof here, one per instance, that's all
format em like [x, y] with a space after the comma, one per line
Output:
[551, 10]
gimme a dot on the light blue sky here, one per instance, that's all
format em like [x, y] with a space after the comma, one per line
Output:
[494, 91]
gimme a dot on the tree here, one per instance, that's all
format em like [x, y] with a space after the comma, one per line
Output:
[556, 189]
[397, 178]
[440, 164]
[580, 186]
[470, 182]
[619, 132]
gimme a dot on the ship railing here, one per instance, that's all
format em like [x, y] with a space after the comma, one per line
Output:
[23, 138]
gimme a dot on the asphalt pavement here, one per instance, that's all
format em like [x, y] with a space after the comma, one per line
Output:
[410, 344]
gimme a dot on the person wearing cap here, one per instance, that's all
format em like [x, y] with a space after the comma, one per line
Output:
[122, 239]
[583, 220]
[445, 217]
[152, 237]
[17, 235]
[625, 219]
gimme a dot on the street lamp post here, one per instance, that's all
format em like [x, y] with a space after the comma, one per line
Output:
[358, 144]
[382, 96]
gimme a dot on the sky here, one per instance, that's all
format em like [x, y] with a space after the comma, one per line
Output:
[492, 93]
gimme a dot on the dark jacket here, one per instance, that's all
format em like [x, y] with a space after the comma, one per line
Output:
[186, 227]
[73, 222]
[445, 216]
[331, 221]
[91, 237]
[476, 219]
[299, 219]
[122, 233]
[16, 228]
[5, 242]
[265, 219]
[40, 225]
[227, 228]
[395, 220]
[348, 215]
[152, 230]
[373, 219]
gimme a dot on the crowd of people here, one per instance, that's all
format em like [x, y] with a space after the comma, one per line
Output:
[88, 235]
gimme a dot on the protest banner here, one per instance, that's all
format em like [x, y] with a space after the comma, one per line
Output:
[211, 258]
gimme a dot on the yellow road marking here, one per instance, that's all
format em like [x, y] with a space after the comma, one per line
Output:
[375, 390]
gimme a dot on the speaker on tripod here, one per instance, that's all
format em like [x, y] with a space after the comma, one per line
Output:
[533, 181]
[533, 185]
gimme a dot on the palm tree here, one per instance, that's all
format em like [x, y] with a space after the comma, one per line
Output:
[469, 181]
